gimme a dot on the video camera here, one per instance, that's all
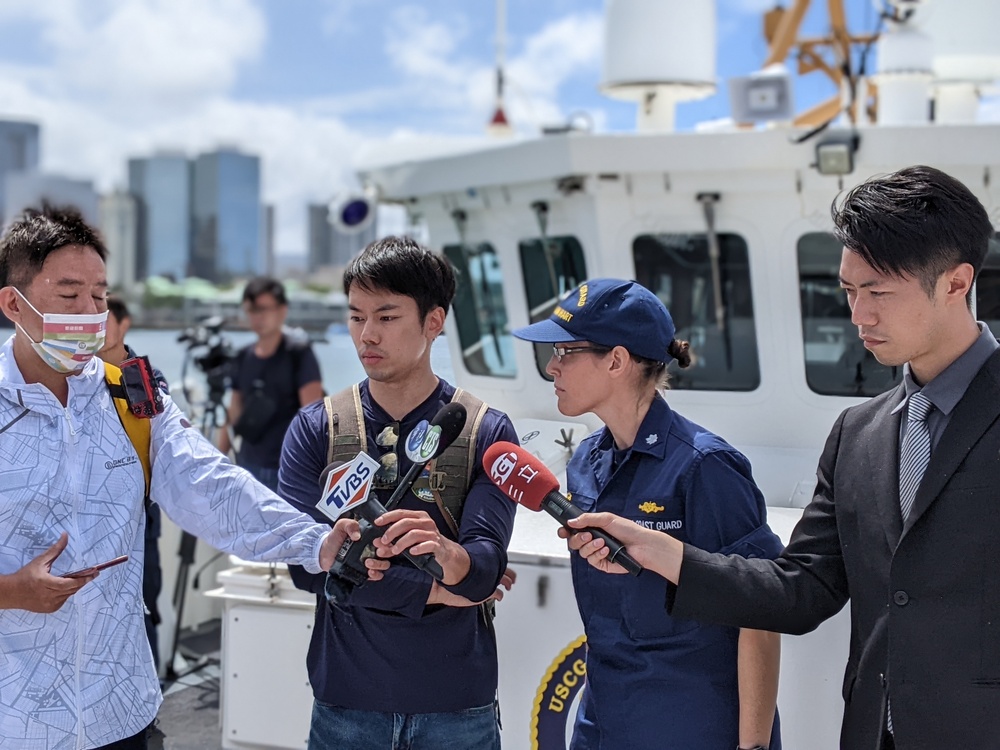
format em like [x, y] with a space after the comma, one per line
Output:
[216, 359]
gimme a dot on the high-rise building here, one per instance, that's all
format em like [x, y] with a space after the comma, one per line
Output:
[320, 247]
[19, 152]
[228, 217]
[119, 223]
[270, 263]
[330, 247]
[28, 189]
[162, 187]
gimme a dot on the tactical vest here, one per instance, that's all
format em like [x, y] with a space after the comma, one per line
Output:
[450, 474]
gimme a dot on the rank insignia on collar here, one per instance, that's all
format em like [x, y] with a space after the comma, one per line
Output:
[650, 507]
[652, 438]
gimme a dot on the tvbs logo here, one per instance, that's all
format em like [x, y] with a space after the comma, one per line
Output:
[348, 486]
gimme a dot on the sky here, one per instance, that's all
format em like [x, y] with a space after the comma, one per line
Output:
[318, 87]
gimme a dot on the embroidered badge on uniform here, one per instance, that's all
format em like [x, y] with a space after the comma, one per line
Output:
[652, 438]
[650, 507]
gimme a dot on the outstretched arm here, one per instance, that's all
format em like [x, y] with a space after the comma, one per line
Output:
[758, 662]
[653, 550]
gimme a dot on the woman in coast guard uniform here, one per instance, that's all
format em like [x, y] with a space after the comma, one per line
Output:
[653, 681]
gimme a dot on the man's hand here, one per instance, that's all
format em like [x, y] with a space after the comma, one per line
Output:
[416, 531]
[441, 595]
[653, 550]
[334, 540]
[508, 579]
[35, 589]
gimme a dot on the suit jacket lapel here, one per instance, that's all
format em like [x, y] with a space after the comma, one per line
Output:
[973, 415]
[881, 440]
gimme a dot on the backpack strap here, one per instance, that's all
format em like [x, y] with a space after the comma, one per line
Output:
[459, 460]
[346, 422]
[139, 431]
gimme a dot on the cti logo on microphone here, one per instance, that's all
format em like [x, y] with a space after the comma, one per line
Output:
[348, 486]
[502, 470]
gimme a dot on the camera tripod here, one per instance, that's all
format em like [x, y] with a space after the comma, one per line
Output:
[209, 424]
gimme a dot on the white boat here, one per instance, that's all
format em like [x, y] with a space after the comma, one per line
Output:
[730, 226]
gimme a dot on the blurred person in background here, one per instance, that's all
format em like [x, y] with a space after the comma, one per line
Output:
[272, 378]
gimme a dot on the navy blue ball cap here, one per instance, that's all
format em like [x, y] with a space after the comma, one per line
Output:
[608, 312]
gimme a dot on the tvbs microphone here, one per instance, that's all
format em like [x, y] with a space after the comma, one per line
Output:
[528, 482]
[347, 487]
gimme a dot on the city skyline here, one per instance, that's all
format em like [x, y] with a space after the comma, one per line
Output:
[318, 87]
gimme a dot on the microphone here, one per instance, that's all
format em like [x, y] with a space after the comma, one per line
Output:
[347, 487]
[528, 482]
[427, 441]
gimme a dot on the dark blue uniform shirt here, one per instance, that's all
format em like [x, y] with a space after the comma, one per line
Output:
[654, 681]
[386, 650]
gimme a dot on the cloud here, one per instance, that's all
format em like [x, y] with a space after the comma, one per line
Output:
[340, 16]
[144, 56]
[563, 49]
[461, 90]
[171, 50]
[118, 80]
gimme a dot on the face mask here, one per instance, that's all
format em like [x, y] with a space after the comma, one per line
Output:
[68, 342]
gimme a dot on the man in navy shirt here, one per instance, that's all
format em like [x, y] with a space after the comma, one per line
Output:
[404, 659]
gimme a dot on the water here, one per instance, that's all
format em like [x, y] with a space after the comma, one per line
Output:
[338, 361]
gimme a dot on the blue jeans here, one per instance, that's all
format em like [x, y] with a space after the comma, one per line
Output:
[334, 728]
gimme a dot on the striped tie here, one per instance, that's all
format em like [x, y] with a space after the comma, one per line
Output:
[913, 459]
[915, 452]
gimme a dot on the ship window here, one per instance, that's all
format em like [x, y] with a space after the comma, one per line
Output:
[480, 311]
[679, 270]
[837, 363]
[988, 288]
[549, 270]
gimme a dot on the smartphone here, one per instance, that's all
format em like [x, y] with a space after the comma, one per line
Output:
[84, 572]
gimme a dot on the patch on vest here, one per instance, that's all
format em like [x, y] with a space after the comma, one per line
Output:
[422, 487]
[556, 701]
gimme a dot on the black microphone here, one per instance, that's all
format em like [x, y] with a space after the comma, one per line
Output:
[450, 418]
[369, 510]
[528, 482]
[425, 442]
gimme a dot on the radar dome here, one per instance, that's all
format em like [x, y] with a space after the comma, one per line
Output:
[658, 52]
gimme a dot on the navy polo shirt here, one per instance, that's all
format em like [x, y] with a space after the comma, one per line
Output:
[654, 681]
[385, 650]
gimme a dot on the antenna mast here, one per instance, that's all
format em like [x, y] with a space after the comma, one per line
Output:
[499, 125]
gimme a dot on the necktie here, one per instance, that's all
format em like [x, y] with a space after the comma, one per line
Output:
[914, 456]
[915, 452]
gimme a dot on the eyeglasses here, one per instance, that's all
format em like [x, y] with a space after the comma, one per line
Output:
[561, 351]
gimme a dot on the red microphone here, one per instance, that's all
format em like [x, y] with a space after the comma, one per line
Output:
[528, 482]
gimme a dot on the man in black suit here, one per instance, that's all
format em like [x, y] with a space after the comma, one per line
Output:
[924, 665]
